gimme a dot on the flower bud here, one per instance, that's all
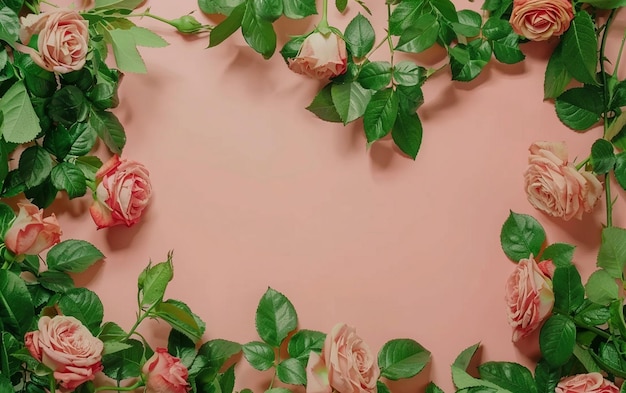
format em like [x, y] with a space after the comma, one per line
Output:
[186, 24]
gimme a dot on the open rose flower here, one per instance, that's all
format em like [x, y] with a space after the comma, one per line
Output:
[68, 348]
[122, 193]
[556, 187]
[62, 43]
[321, 56]
[539, 20]
[586, 383]
[351, 365]
[529, 298]
[165, 373]
[31, 233]
[316, 375]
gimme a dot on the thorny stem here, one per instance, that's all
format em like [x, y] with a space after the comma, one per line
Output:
[323, 26]
[581, 164]
[166, 21]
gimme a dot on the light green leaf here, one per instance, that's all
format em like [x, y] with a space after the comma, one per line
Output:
[73, 256]
[224, 7]
[606, 4]
[579, 108]
[432, 388]
[402, 358]
[20, 123]
[153, 282]
[275, 317]
[125, 51]
[579, 48]
[89, 165]
[109, 129]
[9, 25]
[468, 24]
[350, 100]
[322, 106]
[147, 38]
[521, 236]
[557, 340]
[612, 253]
[407, 73]
[126, 363]
[380, 114]
[181, 318]
[560, 254]
[217, 352]
[601, 288]
[341, 5]
[585, 358]
[124, 4]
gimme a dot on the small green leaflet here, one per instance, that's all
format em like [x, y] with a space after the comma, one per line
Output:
[125, 42]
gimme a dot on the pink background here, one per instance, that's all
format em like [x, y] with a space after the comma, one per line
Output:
[251, 190]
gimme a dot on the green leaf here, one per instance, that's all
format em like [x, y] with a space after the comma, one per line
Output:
[7, 215]
[109, 129]
[462, 380]
[359, 36]
[112, 332]
[180, 317]
[56, 281]
[579, 48]
[258, 33]
[217, 352]
[350, 100]
[275, 317]
[291, 371]
[585, 358]
[35, 166]
[467, 61]
[126, 363]
[89, 165]
[84, 305]
[521, 236]
[303, 342]
[407, 73]
[123, 4]
[402, 358]
[39, 82]
[380, 114]
[610, 360]
[569, 292]
[607, 4]
[125, 51]
[557, 340]
[612, 253]
[16, 307]
[560, 254]
[227, 380]
[579, 108]
[57, 142]
[507, 50]
[322, 105]
[409, 98]
[153, 282]
[68, 106]
[375, 75]
[82, 139]
[546, 377]
[419, 36]
[556, 77]
[9, 25]
[593, 314]
[496, 29]
[73, 256]
[620, 169]
[298, 9]
[147, 38]
[20, 123]
[602, 156]
[601, 288]
[468, 24]
[224, 7]
[407, 133]
[260, 355]
[228, 26]
[181, 347]
[292, 47]
[511, 376]
[9, 364]
[268, 10]
[69, 177]
[341, 5]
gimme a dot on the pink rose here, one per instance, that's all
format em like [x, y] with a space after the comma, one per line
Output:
[31, 233]
[165, 373]
[63, 40]
[547, 268]
[586, 383]
[352, 367]
[556, 187]
[67, 347]
[529, 298]
[321, 56]
[122, 193]
[539, 20]
[316, 375]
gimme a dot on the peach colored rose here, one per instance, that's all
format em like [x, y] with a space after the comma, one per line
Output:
[63, 40]
[556, 187]
[31, 233]
[539, 20]
[352, 367]
[316, 375]
[165, 373]
[321, 56]
[122, 193]
[547, 268]
[529, 298]
[586, 383]
[67, 347]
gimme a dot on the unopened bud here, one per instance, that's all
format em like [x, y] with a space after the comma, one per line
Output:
[186, 24]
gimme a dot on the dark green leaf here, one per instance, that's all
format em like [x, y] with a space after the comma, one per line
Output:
[402, 358]
[341, 5]
[42, 195]
[606, 4]
[291, 371]
[126, 363]
[359, 36]
[612, 253]
[507, 49]
[467, 61]
[556, 77]
[602, 156]
[298, 9]
[9, 364]
[258, 33]
[407, 133]
[405, 15]
[16, 307]
[73, 256]
[182, 347]
[305, 341]
[323, 107]
[497, 29]
[292, 48]
[35, 166]
[380, 114]
[57, 141]
[268, 10]
[580, 107]
[224, 7]
[409, 98]
[560, 254]
[84, 305]
[109, 129]
[228, 26]
[375, 75]
[569, 292]
[557, 339]
[56, 281]
[593, 314]
[39, 82]
[275, 317]
[620, 169]
[9, 25]
[6, 218]
[432, 388]
[217, 352]
[407, 73]
[579, 48]
[521, 236]
[180, 317]
[350, 100]
[468, 24]
[260, 355]
[511, 376]
[546, 377]
[69, 177]
[82, 138]
[419, 36]
[68, 106]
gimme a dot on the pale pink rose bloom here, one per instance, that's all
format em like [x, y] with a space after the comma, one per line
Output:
[31, 233]
[555, 187]
[539, 20]
[321, 56]
[122, 193]
[352, 366]
[586, 383]
[68, 348]
[165, 373]
[317, 375]
[547, 268]
[63, 40]
[529, 298]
